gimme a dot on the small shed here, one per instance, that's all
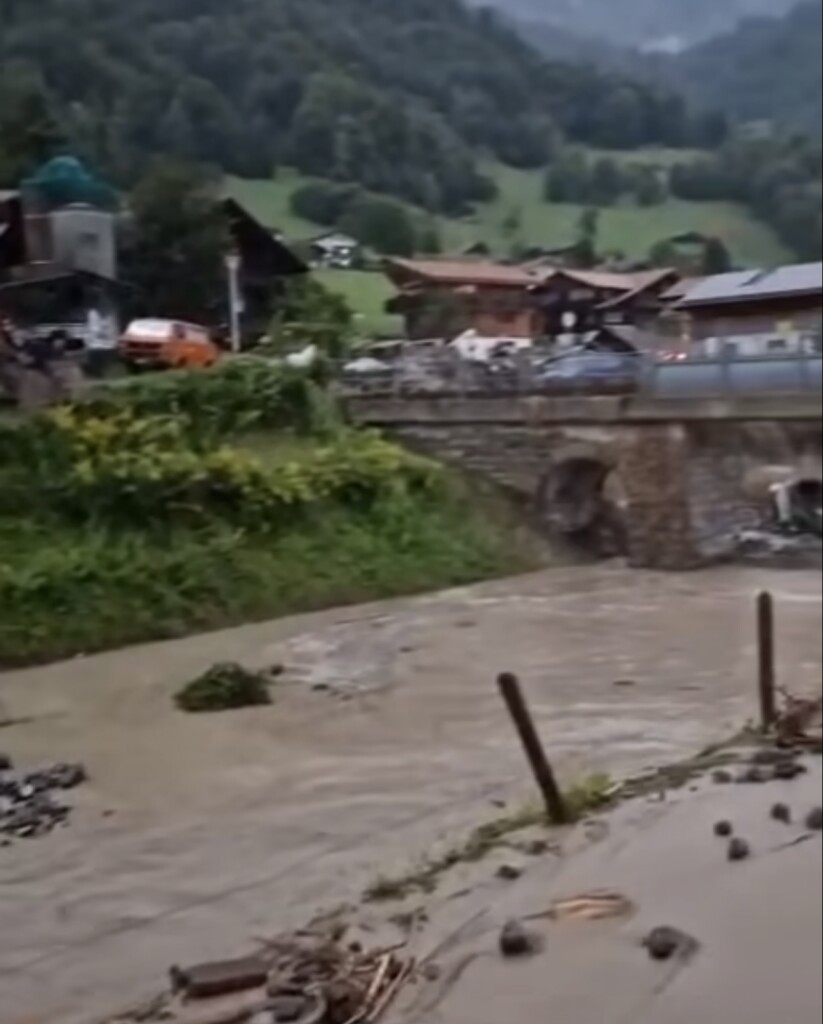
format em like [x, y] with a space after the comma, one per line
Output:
[336, 250]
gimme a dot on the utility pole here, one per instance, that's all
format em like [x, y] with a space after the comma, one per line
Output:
[233, 263]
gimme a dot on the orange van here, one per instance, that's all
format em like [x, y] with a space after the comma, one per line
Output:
[167, 344]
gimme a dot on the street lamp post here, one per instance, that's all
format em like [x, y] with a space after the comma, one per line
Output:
[235, 299]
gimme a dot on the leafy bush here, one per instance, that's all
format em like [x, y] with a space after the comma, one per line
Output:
[123, 471]
[225, 687]
[323, 202]
[310, 314]
[120, 524]
[232, 398]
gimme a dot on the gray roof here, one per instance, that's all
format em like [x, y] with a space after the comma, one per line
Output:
[743, 286]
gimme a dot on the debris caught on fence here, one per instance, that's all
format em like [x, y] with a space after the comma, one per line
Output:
[800, 721]
[355, 986]
[308, 977]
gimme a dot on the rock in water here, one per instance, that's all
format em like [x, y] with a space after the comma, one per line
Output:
[518, 941]
[786, 771]
[27, 806]
[739, 850]
[814, 820]
[768, 757]
[665, 943]
[782, 813]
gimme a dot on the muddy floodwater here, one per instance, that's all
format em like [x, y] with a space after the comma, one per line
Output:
[198, 833]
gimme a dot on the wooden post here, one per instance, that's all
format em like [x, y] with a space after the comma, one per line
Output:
[524, 723]
[767, 672]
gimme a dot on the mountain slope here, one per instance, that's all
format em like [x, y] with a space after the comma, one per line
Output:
[397, 96]
[768, 69]
[640, 23]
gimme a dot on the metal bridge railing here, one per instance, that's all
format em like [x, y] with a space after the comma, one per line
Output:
[445, 375]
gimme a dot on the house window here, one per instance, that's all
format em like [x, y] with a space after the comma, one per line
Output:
[777, 345]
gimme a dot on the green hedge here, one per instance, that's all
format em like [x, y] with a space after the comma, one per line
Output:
[234, 397]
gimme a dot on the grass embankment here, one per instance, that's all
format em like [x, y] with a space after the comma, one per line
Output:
[626, 227]
[366, 293]
[132, 519]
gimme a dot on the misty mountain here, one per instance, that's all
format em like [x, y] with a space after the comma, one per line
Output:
[766, 69]
[666, 25]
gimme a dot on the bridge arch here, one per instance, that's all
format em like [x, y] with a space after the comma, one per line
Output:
[582, 499]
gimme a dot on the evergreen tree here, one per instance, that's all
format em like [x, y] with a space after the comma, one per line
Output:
[176, 245]
[29, 133]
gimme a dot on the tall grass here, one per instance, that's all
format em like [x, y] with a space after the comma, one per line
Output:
[130, 518]
[79, 590]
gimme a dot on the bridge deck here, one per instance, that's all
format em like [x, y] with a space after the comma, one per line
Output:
[443, 408]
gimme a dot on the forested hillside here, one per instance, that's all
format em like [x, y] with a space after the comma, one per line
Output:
[777, 177]
[769, 68]
[397, 97]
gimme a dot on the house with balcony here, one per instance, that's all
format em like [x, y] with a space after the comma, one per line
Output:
[444, 298]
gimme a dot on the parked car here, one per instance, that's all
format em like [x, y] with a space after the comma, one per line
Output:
[589, 369]
[167, 344]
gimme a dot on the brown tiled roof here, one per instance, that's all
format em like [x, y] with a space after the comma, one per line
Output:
[682, 288]
[462, 272]
[614, 281]
[644, 282]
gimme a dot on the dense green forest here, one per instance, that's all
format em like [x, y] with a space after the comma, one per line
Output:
[779, 178]
[400, 101]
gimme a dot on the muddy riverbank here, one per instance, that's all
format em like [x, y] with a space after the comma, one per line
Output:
[754, 928]
[195, 834]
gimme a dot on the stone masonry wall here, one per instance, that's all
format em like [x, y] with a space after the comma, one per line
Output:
[722, 460]
[653, 468]
[683, 480]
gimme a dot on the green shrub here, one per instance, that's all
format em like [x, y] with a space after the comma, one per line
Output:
[120, 470]
[232, 398]
[120, 524]
[225, 687]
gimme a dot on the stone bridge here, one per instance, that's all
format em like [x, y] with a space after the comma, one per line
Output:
[670, 483]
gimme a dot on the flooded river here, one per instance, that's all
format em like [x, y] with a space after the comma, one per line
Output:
[198, 833]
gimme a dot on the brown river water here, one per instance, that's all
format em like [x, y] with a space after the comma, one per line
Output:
[198, 833]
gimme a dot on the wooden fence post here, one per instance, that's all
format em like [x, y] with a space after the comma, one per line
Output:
[524, 723]
[767, 671]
